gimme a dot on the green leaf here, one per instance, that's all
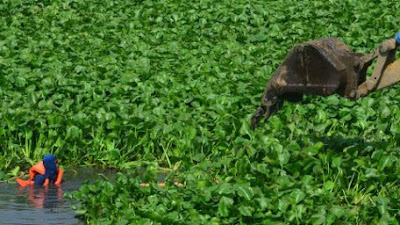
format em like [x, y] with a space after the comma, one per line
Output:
[337, 161]
[297, 195]
[245, 128]
[15, 171]
[386, 162]
[246, 210]
[283, 157]
[224, 206]
[226, 189]
[244, 191]
[263, 203]
[314, 149]
[329, 185]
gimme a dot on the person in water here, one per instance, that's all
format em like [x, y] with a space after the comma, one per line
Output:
[44, 173]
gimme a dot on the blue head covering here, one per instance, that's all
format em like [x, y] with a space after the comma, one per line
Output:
[49, 162]
[397, 37]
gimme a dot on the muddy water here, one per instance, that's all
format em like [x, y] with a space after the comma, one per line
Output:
[39, 205]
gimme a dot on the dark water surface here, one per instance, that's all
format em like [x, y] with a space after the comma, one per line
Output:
[40, 205]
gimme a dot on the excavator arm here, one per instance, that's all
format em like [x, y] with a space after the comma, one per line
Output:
[325, 67]
[386, 71]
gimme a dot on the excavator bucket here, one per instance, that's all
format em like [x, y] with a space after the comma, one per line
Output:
[325, 67]
[322, 67]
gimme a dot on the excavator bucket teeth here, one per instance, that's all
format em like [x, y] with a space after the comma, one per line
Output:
[391, 75]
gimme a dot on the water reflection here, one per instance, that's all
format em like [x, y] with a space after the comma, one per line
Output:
[40, 197]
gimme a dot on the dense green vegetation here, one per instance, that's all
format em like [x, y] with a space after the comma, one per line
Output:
[173, 84]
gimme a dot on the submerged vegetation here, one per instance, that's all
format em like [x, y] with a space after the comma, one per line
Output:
[173, 84]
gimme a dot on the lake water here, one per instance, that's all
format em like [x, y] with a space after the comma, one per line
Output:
[40, 205]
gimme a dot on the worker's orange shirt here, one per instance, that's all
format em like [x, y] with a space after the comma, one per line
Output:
[40, 169]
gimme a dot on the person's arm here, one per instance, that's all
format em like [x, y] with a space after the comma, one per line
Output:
[38, 168]
[59, 176]
[32, 173]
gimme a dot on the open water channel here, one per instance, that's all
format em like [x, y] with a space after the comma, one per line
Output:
[39, 205]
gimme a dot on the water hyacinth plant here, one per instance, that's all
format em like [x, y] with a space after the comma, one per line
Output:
[130, 84]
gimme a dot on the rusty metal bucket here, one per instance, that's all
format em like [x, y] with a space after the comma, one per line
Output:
[325, 67]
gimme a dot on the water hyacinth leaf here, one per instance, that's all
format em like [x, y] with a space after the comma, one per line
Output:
[245, 128]
[371, 172]
[224, 205]
[124, 84]
[297, 196]
[263, 202]
[382, 203]
[15, 171]
[319, 218]
[386, 162]
[246, 210]
[73, 132]
[262, 168]
[80, 212]
[283, 204]
[244, 191]
[283, 157]
[337, 161]
[329, 185]
[226, 189]
[314, 149]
